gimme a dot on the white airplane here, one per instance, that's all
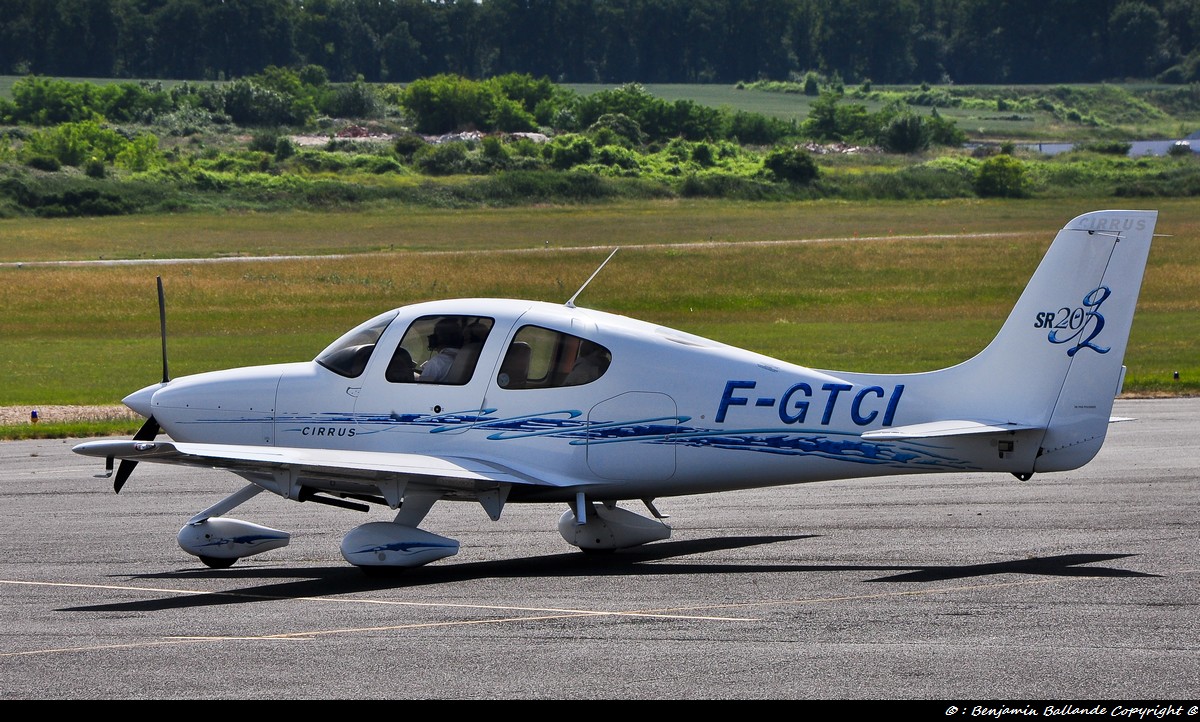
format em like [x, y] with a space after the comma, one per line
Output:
[551, 403]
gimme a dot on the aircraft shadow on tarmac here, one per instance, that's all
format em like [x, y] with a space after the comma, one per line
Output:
[293, 582]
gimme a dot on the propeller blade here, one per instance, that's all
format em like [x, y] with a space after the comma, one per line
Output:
[148, 431]
[123, 472]
[162, 324]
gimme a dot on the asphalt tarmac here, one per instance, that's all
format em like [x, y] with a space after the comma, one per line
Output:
[950, 588]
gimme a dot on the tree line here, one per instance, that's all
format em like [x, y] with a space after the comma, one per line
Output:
[610, 41]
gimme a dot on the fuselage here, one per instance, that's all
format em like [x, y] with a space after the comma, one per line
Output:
[587, 400]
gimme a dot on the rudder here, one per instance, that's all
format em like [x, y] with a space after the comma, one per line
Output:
[1092, 329]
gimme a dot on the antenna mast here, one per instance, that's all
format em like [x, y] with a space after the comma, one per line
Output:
[571, 301]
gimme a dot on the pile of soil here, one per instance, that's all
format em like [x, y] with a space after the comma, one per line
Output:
[11, 415]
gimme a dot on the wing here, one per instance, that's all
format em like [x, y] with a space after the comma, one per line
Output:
[346, 473]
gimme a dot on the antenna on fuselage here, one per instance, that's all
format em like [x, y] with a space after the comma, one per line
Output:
[571, 301]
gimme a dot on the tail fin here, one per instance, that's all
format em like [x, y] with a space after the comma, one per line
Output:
[1058, 360]
[1057, 363]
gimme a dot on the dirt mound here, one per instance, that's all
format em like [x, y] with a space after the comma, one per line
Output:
[63, 414]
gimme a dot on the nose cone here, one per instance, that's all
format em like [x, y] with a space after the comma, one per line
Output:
[139, 400]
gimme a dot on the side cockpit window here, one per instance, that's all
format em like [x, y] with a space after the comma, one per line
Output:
[540, 358]
[439, 349]
[348, 355]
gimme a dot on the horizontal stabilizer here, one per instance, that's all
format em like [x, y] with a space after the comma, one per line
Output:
[938, 429]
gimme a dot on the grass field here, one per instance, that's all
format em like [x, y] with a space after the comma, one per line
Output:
[887, 287]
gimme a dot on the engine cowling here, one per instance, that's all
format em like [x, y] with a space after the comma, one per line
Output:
[222, 538]
[610, 528]
[387, 544]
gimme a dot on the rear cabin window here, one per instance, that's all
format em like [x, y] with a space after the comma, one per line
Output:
[348, 355]
[540, 358]
[439, 349]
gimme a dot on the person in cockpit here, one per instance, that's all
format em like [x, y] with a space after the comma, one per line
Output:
[592, 363]
[446, 340]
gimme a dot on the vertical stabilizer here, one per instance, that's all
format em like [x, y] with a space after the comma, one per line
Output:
[1057, 363]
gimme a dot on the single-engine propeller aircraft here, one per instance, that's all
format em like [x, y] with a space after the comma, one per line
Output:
[500, 401]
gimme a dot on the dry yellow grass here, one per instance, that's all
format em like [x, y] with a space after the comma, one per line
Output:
[763, 276]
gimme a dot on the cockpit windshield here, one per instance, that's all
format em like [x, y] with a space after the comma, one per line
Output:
[349, 354]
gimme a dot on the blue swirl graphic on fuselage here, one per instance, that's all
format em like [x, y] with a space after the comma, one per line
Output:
[849, 449]
[574, 427]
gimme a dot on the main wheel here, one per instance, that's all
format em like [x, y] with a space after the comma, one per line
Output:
[218, 562]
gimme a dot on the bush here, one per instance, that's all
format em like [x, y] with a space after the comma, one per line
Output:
[812, 85]
[284, 148]
[616, 156]
[73, 143]
[43, 162]
[1001, 176]
[943, 131]
[1180, 149]
[442, 159]
[493, 149]
[657, 118]
[354, 100]
[1180, 182]
[94, 168]
[58, 196]
[792, 165]
[726, 185]
[321, 161]
[446, 103]
[521, 187]
[407, 144]
[916, 183]
[758, 129]
[828, 120]
[1107, 147]
[905, 133]
[568, 151]
[376, 164]
[249, 103]
[510, 117]
[704, 155]
[265, 141]
[611, 126]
